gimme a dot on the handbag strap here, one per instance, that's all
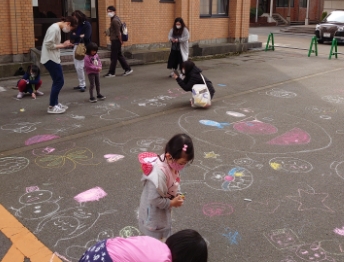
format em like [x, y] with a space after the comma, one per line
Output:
[203, 80]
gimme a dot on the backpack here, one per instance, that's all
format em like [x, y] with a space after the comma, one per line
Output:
[124, 31]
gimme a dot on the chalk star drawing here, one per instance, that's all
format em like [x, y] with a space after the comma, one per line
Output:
[210, 154]
[79, 155]
[310, 201]
[232, 236]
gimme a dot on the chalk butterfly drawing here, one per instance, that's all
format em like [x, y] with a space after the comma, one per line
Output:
[78, 155]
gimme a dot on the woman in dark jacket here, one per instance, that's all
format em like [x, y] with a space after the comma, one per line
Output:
[192, 77]
[80, 34]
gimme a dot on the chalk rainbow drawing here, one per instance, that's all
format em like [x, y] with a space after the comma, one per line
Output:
[217, 209]
[93, 194]
[10, 165]
[129, 231]
[296, 136]
[311, 201]
[255, 128]
[290, 165]
[40, 139]
[78, 155]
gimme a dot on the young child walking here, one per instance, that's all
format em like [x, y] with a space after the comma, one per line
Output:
[93, 66]
[161, 190]
[30, 82]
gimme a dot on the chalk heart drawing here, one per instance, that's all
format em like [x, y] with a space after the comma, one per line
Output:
[36, 204]
[290, 165]
[68, 224]
[25, 127]
[312, 252]
[217, 209]
[267, 207]
[311, 201]
[93, 194]
[138, 145]
[39, 139]
[333, 99]
[10, 165]
[228, 178]
[260, 131]
[78, 155]
[111, 158]
[129, 231]
[76, 251]
[283, 238]
[280, 93]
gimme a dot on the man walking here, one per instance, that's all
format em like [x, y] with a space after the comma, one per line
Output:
[116, 44]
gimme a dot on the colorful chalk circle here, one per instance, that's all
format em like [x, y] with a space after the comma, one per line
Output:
[290, 165]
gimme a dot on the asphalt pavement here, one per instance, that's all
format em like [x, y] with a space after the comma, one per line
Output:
[266, 183]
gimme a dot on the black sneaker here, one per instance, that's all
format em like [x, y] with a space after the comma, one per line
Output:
[77, 88]
[101, 97]
[92, 100]
[82, 89]
[108, 75]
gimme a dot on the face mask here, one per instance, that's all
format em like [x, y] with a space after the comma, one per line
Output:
[111, 14]
[176, 166]
[183, 71]
[178, 26]
[66, 29]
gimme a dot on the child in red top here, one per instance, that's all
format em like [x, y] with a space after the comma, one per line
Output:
[93, 66]
[30, 83]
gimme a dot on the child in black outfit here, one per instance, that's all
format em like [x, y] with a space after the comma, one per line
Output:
[30, 83]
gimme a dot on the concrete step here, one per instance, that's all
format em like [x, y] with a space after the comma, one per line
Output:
[299, 29]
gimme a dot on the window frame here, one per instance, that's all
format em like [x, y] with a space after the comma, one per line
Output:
[210, 15]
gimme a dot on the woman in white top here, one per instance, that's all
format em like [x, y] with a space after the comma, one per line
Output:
[50, 58]
[179, 37]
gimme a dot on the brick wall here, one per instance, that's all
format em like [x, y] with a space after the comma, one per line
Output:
[148, 22]
[17, 31]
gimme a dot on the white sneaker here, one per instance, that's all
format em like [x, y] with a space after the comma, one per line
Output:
[39, 93]
[56, 110]
[20, 95]
[62, 106]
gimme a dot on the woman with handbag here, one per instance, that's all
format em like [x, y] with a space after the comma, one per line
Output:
[81, 37]
[193, 77]
[179, 37]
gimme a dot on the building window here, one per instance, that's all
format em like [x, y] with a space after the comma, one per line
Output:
[285, 3]
[303, 3]
[214, 7]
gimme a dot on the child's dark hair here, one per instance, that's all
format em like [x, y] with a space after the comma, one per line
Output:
[91, 47]
[187, 245]
[34, 69]
[179, 145]
[71, 19]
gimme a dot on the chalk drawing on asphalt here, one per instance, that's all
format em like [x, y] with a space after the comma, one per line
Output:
[129, 231]
[279, 133]
[211, 154]
[111, 158]
[280, 93]
[93, 194]
[247, 163]
[76, 251]
[333, 99]
[63, 129]
[40, 138]
[338, 167]
[75, 156]
[115, 112]
[138, 145]
[37, 204]
[283, 238]
[68, 223]
[290, 165]
[311, 201]
[9, 165]
[232, 236]
[24, 127]
[217, 209]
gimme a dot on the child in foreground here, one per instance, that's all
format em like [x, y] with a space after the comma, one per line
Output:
[161, 190]
[184, 246]
[93, 66]
[30, 82]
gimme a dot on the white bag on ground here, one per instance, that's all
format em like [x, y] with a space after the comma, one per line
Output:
[201, 95]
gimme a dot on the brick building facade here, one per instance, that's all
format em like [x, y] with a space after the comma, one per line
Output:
[148, 21]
